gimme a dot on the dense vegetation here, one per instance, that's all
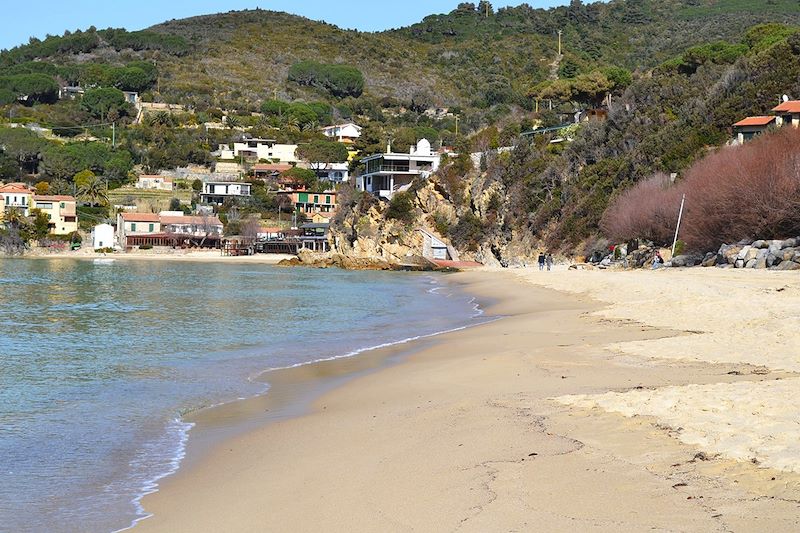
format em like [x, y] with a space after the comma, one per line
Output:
[677, 74]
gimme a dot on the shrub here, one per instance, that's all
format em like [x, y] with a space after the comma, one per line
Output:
[648, 210]
[401, 207]
[741, 192]
[146, 247]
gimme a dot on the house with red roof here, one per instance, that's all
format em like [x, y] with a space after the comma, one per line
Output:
[747, 128]
[16, 196]
[62, 211]
[788, 113]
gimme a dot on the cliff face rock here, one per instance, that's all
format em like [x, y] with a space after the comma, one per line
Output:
[465, 209]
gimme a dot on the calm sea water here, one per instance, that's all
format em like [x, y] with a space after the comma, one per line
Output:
[99, 361]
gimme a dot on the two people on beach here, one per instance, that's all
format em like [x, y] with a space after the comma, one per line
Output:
[545, 260]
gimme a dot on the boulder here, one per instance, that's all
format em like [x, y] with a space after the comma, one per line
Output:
[761, 262]
[743, 252]
[788, 243]
[710, 259]
[686, 260]
[751, 263]
[730, 253]
[788, 253]
[788, 265]
[773, 259]
[751, 254]
[760, 244]
[739, 263]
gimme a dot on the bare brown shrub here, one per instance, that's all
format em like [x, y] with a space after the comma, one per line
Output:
[750, 191]
[744, 192]
[648, 210]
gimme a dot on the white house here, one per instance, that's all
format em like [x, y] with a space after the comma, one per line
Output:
[387, 173]
[344, 133]
[103, 236]
[788, 113]
[216, 192]
[259, 149]
[333, 172]
[161, 183]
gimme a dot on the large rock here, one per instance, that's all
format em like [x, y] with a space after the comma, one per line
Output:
[739, 263]
[711, 259]
[686, 260]
[751, 263]
[760, 244]
[789, 243]
[730, 253]
[751, 254]
[788, 265]
[774, 259]
[761, 262]
[788, 253]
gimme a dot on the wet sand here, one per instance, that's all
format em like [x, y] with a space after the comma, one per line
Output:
[476, 431]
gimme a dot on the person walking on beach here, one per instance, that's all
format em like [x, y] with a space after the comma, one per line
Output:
[549, 261]
[541, 260]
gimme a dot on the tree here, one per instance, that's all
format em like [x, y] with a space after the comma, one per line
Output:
[320, 154]
[591, 88]
[42, 187]
[100, 103]
[175, 204]
[83, 178]
[94, 192]
[40, 226]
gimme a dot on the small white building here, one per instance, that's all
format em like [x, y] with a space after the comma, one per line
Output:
[387, 173]
[103, 236]
[216, 192]
[160, 183]
[344, 133]
[259, 150]
[194, 225]
[332, 172]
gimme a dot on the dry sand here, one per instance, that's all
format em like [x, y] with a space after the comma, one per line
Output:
[510, 426]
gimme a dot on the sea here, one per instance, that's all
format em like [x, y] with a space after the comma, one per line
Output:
[101, 359]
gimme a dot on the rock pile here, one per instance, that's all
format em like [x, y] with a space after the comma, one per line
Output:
[772, 254]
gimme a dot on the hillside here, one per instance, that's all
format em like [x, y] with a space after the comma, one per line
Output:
[464, 58]
[678, 73]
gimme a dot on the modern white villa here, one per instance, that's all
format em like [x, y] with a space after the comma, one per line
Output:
[387, 173]
[216, 192]
[332, 172]
[344, 133]
[259, 150]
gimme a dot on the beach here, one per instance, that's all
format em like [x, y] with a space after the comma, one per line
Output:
[602, 401]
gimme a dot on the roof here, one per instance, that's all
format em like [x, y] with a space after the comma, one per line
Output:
[190, 219]
[321, 225]
[155, 176]
[55, 198]
[792, 106]
[359, 128]
[19, 188]
[754, 121]
[274, 167]
[270, 230]
[140, 217]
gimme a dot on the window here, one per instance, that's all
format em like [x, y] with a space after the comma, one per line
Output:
[62, 205]
[316, 199]
[327, 199]
[133, 226]
[151, 228]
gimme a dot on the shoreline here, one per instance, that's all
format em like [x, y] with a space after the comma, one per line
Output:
[462, 414]
[213, 256]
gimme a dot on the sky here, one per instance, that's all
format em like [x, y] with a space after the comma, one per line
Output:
[20, 21]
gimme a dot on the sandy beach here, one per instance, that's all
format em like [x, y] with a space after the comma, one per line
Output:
[602, 401]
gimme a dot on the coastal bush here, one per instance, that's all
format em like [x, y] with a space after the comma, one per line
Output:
[750, 191]
[401, 207]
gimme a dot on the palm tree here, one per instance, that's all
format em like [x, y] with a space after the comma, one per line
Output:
[232, 121]
[94, 192]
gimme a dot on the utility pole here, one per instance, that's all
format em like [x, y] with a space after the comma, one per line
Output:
[559, 41]
[678, 227]
[113, 135]
[456, 126]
